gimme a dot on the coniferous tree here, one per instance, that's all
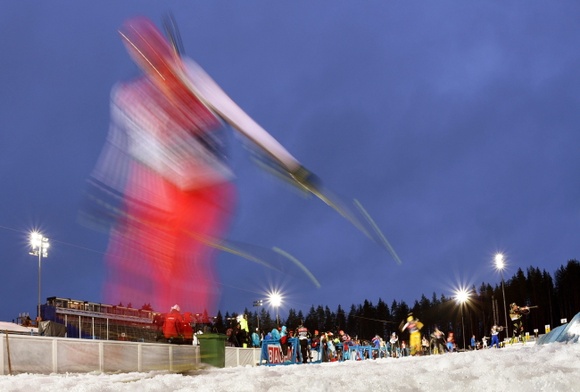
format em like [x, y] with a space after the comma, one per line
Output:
[365, 323]
[535, 288]
[567, 291]
[293, 321]
[311, 321]
[384, 316]
[228, 320]
[266, 322]
[340, 319]
[320, 317]
[329, 319]
[300, 317]
[548, 309]
[351, 320]
[218, 324]
[400, 311]
[484, 313]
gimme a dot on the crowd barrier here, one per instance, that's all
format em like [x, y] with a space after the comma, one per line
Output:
[45, 355]
[238, 356]
[272, 353]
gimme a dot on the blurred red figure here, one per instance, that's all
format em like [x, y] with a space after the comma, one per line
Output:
[164, 157]
[162, 177]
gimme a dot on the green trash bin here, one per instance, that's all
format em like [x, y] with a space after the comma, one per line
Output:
[212, 349]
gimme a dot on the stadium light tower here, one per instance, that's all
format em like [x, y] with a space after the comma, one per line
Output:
[39, 247]
[258, 303]
[462, 296]
[275, 300]
[500, 265]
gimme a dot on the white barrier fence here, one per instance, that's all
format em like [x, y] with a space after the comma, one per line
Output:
[45, 355]
[236, 356]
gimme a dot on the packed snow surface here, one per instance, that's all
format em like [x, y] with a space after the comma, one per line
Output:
[551, 367]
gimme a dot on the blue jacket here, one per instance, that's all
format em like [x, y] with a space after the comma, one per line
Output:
[255, 339]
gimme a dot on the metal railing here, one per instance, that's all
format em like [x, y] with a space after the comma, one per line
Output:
[45, 355]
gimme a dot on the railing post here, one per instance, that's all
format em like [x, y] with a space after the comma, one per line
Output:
[54, 355]
[2, 357]
[101, 357]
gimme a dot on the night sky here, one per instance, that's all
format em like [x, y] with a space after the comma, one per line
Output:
[455, 124]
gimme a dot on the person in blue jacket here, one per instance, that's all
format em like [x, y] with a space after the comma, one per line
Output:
[256, 338]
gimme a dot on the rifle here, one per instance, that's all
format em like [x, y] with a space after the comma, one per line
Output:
[526, 309]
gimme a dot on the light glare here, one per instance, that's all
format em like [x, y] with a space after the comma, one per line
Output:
[462, 296]
[275, 299]
[39, 242]
[499, 261]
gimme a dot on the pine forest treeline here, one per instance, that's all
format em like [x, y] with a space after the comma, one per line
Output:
[556, 298]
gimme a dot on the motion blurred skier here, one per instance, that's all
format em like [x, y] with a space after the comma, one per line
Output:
[163, 179]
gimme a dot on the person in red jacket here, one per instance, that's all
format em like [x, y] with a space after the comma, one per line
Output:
[173, 325]
[187, 329]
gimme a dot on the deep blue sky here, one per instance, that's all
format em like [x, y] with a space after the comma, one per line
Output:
[455, 124]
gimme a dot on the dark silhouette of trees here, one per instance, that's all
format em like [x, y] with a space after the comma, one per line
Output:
[556, 298]
[218, 323]
[566, 289]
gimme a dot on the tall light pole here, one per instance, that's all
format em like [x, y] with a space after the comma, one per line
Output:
[275, 299]
[39, 247]
[500, 265]
[258, 303]
[462, 296]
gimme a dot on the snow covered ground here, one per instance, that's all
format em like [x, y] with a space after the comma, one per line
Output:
[551, 367]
